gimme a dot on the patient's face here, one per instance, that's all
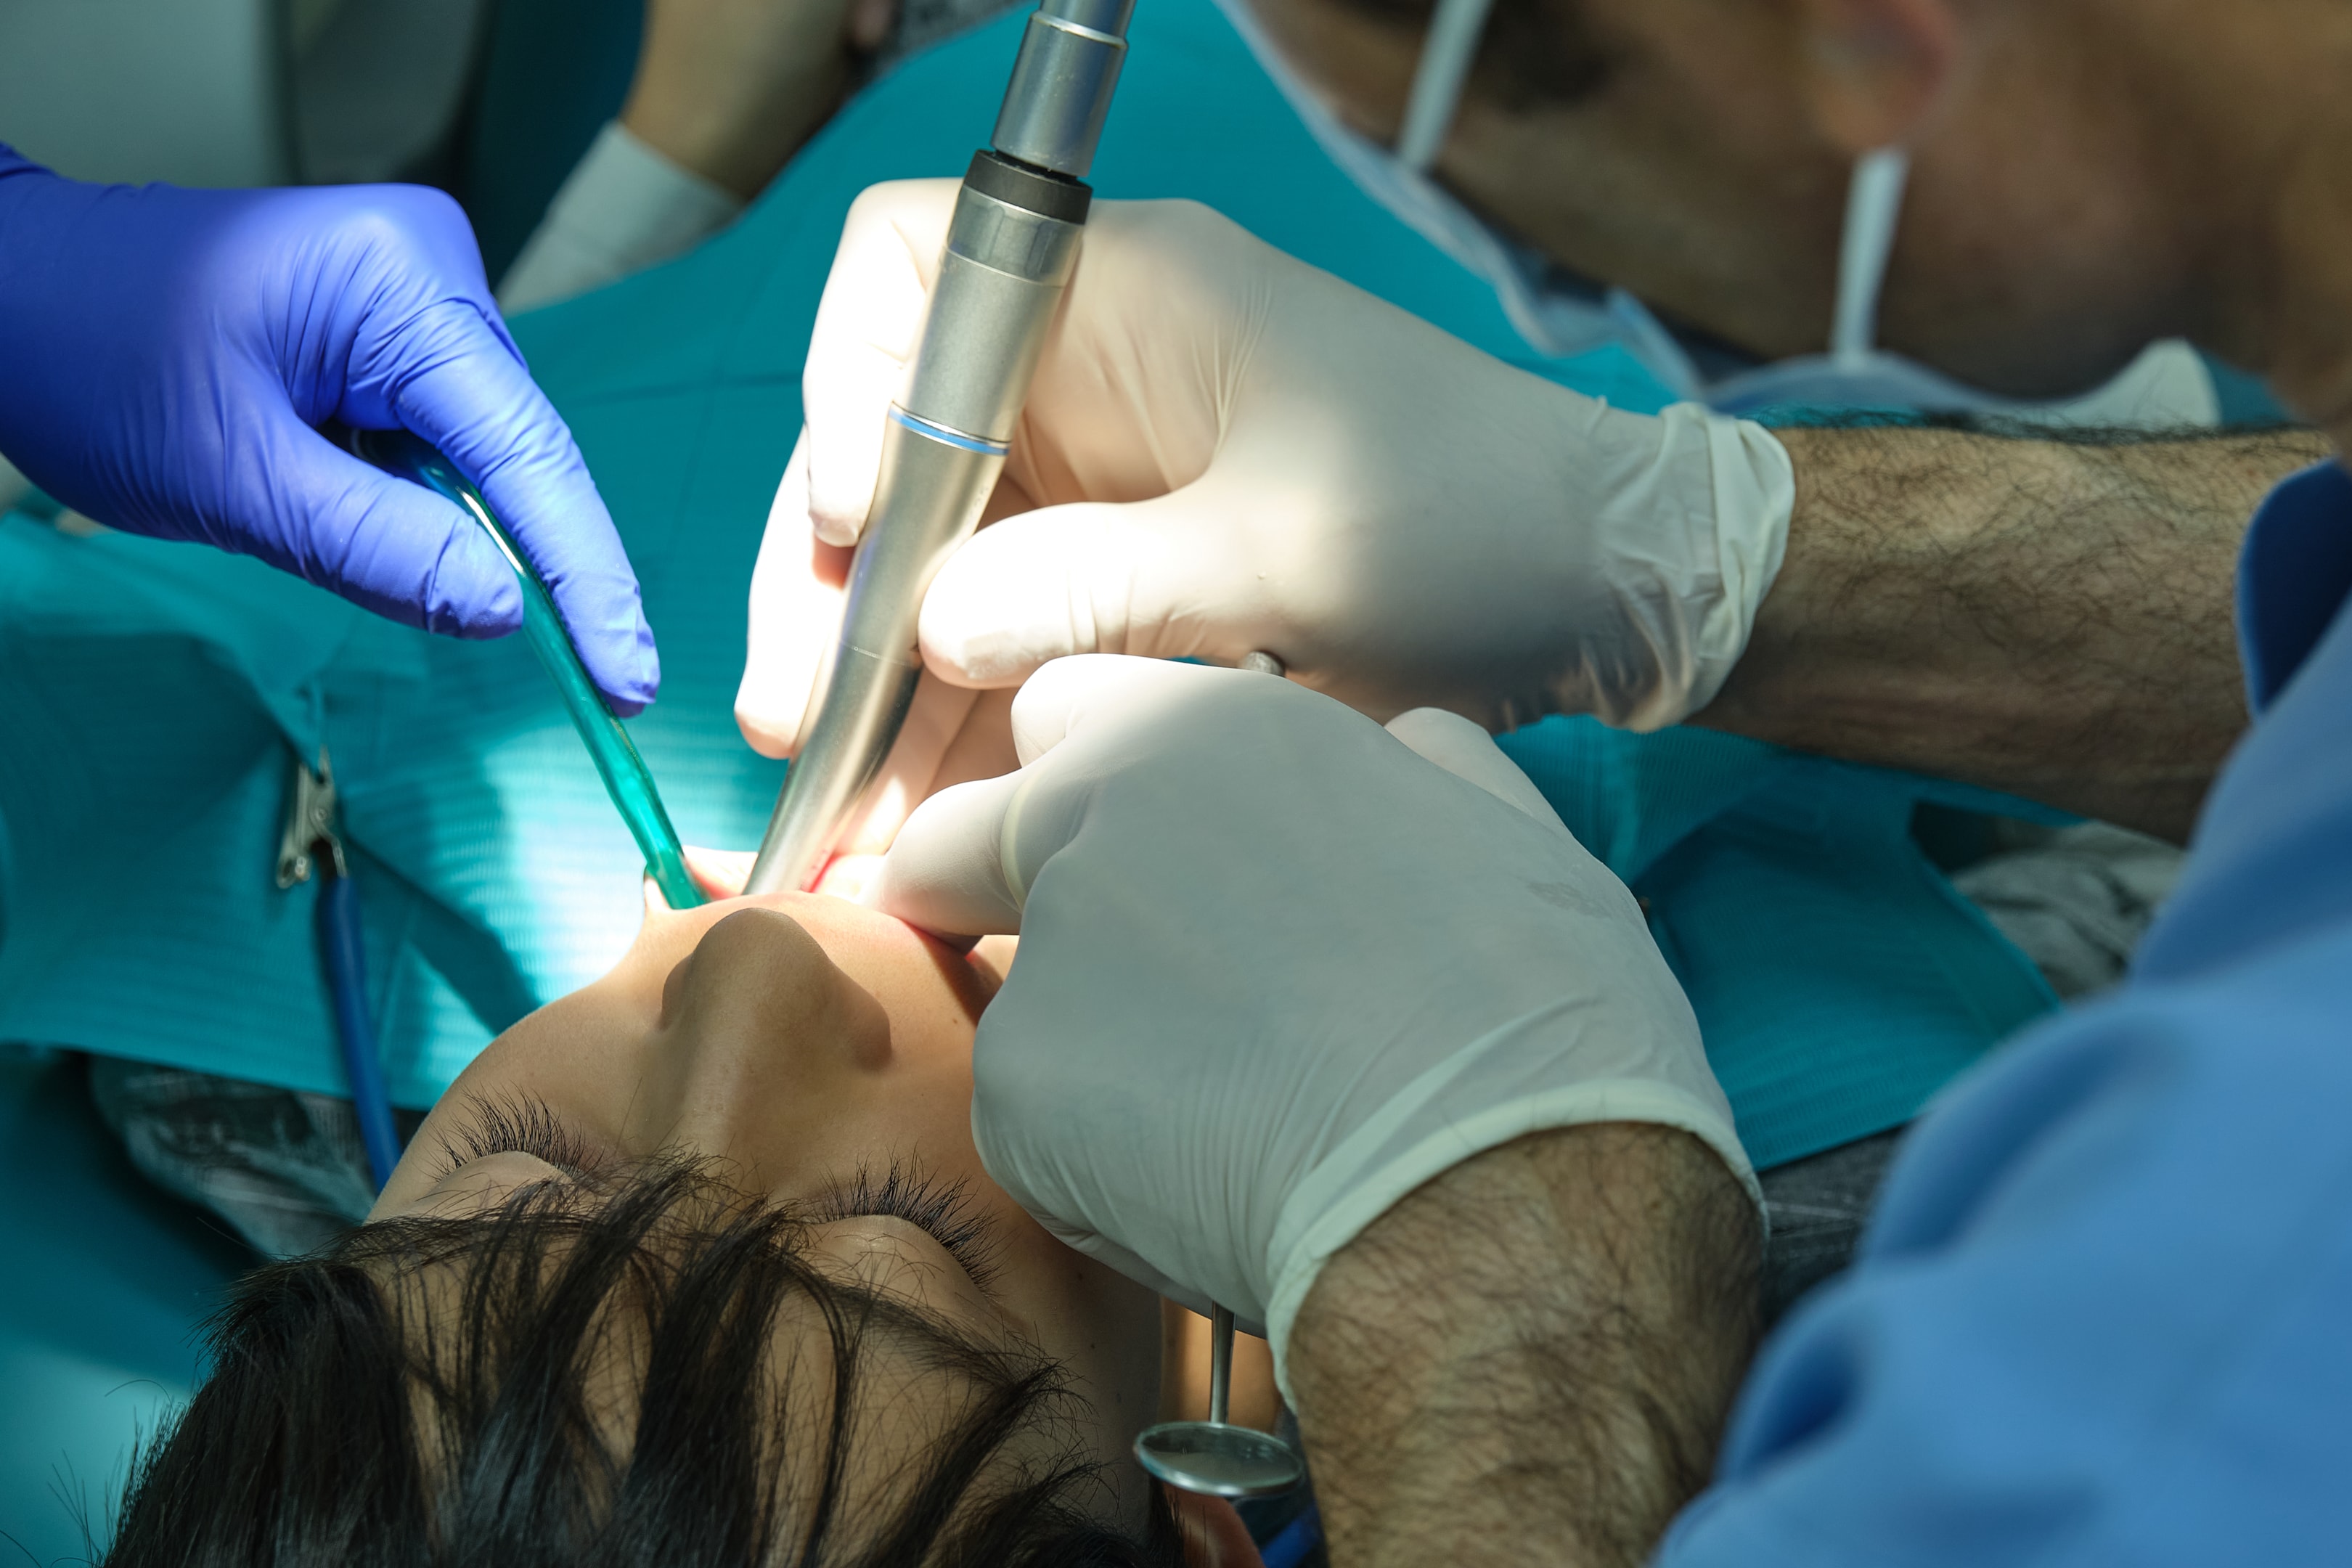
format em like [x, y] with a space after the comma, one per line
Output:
[804, 1042]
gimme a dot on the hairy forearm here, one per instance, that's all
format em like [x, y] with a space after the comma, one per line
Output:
[2049, 618]
[1530, 1360]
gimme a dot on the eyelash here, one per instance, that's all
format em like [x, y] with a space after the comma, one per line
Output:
[941, 1209]
[517, 1127]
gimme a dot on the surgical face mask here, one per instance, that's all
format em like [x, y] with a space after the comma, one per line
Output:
[2167, 386]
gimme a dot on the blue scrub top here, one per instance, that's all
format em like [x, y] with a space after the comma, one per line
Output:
[2105, 1312]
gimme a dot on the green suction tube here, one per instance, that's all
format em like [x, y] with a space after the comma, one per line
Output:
[626, 778]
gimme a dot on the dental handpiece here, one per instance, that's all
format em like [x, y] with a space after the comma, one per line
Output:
[1011, 246]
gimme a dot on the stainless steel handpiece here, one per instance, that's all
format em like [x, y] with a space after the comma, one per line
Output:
[1011, 246]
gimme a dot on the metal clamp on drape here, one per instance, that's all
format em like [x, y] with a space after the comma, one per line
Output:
[309, 843]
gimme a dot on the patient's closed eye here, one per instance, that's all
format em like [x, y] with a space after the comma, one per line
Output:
[519, 1125]
[943, 1209]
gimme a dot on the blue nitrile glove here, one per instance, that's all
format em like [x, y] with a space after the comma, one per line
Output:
[166, 354]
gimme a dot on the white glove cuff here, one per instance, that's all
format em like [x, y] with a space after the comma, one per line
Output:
[1755, 493]
[623, 208]
[1338, 1199]
[1693, 526]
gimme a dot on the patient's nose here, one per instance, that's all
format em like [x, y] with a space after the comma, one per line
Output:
[761, 1039]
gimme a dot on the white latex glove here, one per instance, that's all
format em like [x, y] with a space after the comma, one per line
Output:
[1277, 971]
[1225, 449]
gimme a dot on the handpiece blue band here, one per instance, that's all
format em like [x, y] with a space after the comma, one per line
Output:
[943, 434]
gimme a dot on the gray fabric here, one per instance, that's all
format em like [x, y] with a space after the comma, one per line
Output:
[1819, 1205]
[2076, 900]
[285, 1170]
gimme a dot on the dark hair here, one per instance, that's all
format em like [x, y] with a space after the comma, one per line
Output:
[346, 1426]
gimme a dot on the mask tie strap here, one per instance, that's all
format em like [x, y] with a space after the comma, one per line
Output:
[1446, 57]
[1873, 201]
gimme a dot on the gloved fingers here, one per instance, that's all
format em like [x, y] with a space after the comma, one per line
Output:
[799, 586]
[867, 325]
[1153, 578]
[1007, 1171]
[1467, 752]
[1069, 693]
[962, 862]
[798, 596]
[1109, 1254]
[952, 736]
[382, 543]
[946, 873]
[468, 394]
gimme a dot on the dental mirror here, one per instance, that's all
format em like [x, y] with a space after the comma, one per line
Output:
[1215, 1457]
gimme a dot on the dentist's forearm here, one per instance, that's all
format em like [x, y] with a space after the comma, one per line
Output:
[1530, 1359]
[2049, 618]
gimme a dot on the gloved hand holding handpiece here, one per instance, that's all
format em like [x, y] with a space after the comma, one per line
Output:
[1279, 967]
[170, 354]
[1227, 451]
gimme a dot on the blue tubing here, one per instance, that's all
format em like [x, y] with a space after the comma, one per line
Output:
[339, 947]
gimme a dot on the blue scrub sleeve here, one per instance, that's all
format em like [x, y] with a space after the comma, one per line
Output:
[2101, 1315]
